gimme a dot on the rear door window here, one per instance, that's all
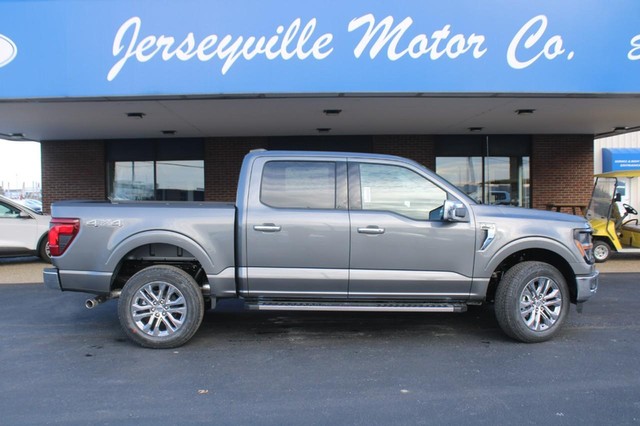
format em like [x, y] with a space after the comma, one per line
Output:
[299, 184]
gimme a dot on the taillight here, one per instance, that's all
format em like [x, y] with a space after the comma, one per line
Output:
[61, 234]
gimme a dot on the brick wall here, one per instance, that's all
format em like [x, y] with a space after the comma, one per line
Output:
[72, 170]
[561, 169]
[222, 161]
[418, 148]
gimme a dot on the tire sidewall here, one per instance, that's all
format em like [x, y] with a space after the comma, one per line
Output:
[507, 303]
[192, 294]
[43, 249]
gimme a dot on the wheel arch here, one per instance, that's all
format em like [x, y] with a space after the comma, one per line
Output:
[554, 255]
[44, 239]
[154, 248]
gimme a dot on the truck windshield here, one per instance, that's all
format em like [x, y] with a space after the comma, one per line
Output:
[602, 198]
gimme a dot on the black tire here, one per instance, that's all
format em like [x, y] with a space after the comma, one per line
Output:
[43, 249]
[601, 251]
[532, 302]
[161, 307]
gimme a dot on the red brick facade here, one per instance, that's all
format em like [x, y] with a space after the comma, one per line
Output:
[72, 170]
[561, 166]
[417, 148]
[561, 169]
[222, 161]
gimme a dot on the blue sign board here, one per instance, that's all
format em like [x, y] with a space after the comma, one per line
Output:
[80, 48]
[620, 159]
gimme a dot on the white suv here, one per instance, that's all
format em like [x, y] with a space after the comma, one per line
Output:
[23, 231]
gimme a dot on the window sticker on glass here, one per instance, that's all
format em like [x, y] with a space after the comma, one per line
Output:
[366, 194]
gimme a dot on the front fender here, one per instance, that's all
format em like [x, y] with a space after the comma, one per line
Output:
[492, 261]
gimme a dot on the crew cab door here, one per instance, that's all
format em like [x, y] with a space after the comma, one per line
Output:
[400, 245]
[297, 229]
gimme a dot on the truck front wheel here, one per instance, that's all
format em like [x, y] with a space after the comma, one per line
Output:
[532, 301]
[160, 307]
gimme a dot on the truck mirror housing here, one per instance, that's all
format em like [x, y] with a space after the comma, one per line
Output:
[455, 212]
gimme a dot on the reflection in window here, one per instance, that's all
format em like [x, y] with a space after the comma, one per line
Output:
[157, 180]
[399, 190]
[463, 172]
[180, 180]
[305, 185]
[490, 180]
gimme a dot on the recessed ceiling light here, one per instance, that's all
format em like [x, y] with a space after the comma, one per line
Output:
[136, 115]
[525, 111]
[169, 132]
[620, 128]
[476, 129]
[16, 135]
[332, 111]
[323, 129]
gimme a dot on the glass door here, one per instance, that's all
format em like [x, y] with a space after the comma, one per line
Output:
[489, 180]
[506, 181]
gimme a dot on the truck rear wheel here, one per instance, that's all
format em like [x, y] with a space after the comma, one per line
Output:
[161, 307]
[532, 302]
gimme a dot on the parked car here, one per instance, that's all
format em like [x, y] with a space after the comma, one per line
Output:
[35, 205]
[23, 231]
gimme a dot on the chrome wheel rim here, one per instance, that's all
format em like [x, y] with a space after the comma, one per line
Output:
[159, 309]
[540, 303]
[600, 252]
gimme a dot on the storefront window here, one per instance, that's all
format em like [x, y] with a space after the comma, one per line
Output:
[180, 180]
[463, 172]
[507, 181]
[501, 178]
[132, 180]
[155, 170]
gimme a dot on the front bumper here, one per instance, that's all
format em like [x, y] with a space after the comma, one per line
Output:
[51, 278]
[586, 286]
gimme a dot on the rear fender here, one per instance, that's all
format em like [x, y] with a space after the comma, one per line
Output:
[161, 237]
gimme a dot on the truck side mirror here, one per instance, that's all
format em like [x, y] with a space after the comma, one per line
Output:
[618, 197]
[455, 212]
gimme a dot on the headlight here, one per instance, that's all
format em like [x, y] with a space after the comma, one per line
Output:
[582, 238]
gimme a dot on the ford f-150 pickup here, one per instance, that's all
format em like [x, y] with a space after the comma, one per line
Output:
[324, 232]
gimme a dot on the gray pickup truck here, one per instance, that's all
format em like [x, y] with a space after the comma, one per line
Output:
[323, 232]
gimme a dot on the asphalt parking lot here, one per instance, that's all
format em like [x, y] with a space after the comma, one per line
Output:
[64, 364]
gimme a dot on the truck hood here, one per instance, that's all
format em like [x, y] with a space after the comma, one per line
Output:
[487, 212]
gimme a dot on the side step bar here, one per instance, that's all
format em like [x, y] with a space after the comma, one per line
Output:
[355, 306]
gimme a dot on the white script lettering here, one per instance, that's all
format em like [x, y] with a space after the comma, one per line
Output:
[384, 34]
[296, 42]
[553, 47]
[634, 54]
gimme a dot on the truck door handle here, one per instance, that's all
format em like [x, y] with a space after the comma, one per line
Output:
[371, 230]
[267, 227]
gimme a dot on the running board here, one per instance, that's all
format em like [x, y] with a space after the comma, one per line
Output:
[356, 306]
